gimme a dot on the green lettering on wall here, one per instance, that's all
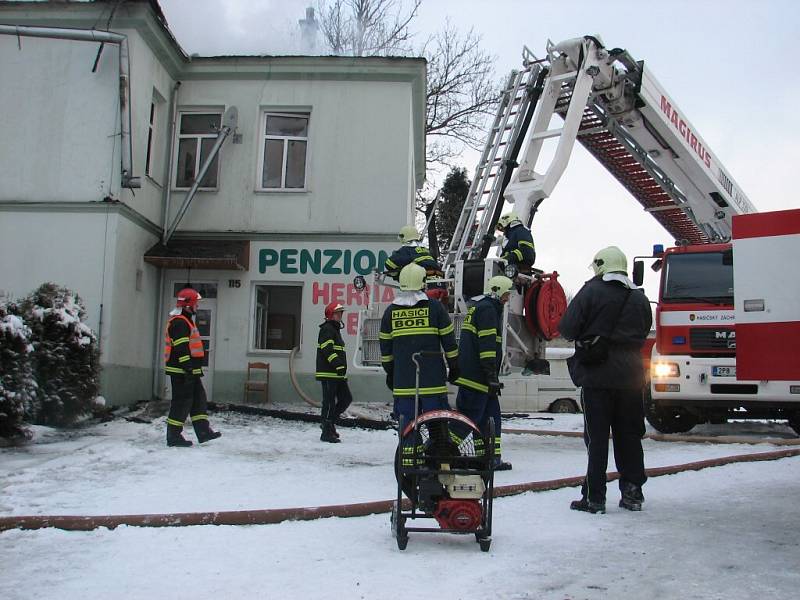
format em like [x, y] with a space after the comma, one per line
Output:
[288, 260]
[266, 258]
[310, 261]
[330, 267]
[364, 262]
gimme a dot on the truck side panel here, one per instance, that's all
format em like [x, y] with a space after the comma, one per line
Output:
[766, 248]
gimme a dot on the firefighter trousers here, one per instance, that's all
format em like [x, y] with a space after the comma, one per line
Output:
[188, 398]
[621, 411]
[479, 407]
[404, 405]
[336, 397]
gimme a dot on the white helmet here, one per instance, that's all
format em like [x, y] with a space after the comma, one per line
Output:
[408, 233]
[498, 286]
[609, 260]
[412, 277]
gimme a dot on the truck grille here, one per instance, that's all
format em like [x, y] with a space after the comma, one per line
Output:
[705, 338]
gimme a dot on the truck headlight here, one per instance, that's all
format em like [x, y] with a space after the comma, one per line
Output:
[665, 369]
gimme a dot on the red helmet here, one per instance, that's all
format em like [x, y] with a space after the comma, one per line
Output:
[332, 308]
[188, 298]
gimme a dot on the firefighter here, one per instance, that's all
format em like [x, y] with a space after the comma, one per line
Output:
[412, 250]
[183, 362]
[479, 358]
[611, 311]
[332, 371]
[415, 323]
[519, 249]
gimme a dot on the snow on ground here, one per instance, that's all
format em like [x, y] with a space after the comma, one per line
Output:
[727, 532]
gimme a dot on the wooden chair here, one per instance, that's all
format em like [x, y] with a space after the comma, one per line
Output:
[255, 384]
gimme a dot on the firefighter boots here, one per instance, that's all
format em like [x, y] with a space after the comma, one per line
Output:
[586, 505]
[203, 431]
[632, 497]
[175, 437]
[328, 434]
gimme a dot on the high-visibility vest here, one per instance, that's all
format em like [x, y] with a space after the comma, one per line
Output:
[195, 345]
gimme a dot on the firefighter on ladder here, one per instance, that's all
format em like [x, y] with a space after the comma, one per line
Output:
[518, 249]
[412, 251]
[415, 323]
[183, 362]
[332, 371]
[479, 359]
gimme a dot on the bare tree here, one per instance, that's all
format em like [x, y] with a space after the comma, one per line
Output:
[367, 27]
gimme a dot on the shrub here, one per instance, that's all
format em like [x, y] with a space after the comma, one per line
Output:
[66, 357]
[17, 383]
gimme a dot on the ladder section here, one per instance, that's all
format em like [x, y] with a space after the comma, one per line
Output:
[497, 159]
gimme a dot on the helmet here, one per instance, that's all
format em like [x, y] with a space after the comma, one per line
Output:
[499, 285]
[412, 277]
[506, 220]
[188, 298]
[408, 233]
[609, 260]
[331, 308]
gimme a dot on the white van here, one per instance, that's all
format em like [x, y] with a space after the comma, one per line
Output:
[542, 393]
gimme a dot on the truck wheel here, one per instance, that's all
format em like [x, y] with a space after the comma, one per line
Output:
[563, 405]
[668, 419]
[794, 422]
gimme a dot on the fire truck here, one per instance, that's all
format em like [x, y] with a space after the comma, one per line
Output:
[582, 91]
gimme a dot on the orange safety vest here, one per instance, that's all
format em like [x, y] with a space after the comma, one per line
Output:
[194, 341]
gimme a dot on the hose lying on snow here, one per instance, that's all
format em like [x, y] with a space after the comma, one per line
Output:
[277, 515]
[660, 437]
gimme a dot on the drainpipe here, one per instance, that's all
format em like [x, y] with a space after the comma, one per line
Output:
[229, 121]
[108, 37]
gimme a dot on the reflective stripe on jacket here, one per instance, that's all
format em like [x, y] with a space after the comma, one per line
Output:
[416, 254]
[183, 348]
[480, 347]
[405, 330]
[519, 248]
[331, 356]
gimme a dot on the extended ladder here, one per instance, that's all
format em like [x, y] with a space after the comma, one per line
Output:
[484, 200]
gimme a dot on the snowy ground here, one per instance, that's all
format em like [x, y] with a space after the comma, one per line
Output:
[727, 532]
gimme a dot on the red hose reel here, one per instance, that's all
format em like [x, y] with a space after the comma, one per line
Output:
[544, 304]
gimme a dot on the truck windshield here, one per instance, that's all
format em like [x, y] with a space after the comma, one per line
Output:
[699, 277]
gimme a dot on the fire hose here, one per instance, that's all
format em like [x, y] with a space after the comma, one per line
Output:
[279, 515]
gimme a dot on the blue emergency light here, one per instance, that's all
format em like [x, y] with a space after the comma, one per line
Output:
[679, 340]
[658, 250]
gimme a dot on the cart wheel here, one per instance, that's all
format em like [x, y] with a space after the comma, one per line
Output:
[402, 542]
[485, 544]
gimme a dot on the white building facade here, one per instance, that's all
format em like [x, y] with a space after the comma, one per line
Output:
[307, 191]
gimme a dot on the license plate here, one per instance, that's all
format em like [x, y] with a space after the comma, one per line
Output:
[723, 371]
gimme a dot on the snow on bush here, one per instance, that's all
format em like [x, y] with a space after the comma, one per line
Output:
[65, 359]
[17, 383]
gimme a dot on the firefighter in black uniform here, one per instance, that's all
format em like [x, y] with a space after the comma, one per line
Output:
[610, 310]
[479, 360]
[332, 371]
[183, 362]
[519, 249]
[412, 251]
[414, 323]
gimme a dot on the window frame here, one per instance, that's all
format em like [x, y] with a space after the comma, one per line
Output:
[198, 136]
[251, 319]
[262, 137]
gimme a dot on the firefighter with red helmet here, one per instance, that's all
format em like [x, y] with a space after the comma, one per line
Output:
[332, 371]
[183, 362]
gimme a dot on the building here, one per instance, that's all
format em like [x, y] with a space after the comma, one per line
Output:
[101, 142]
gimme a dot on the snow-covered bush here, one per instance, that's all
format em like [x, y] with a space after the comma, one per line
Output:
[17, 383]
[65, 359]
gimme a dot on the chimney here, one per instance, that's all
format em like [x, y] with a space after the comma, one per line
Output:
[308, 32]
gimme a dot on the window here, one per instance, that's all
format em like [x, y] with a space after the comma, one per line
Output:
[283, 151]
[698, 277]
[197, 134]
[276, 317]
[153, 167]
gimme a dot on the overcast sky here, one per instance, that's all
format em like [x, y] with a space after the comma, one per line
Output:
[729, 65]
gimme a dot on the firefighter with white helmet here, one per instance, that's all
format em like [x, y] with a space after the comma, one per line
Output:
[332, 371]
[518, 249]
[479, 359]
[609, 319]
[183, 362]
[414, 323]
[412, 251]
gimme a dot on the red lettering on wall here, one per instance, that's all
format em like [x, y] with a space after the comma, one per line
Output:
[352, 323]
[387, 295]
[337, 293]
[320, 293]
